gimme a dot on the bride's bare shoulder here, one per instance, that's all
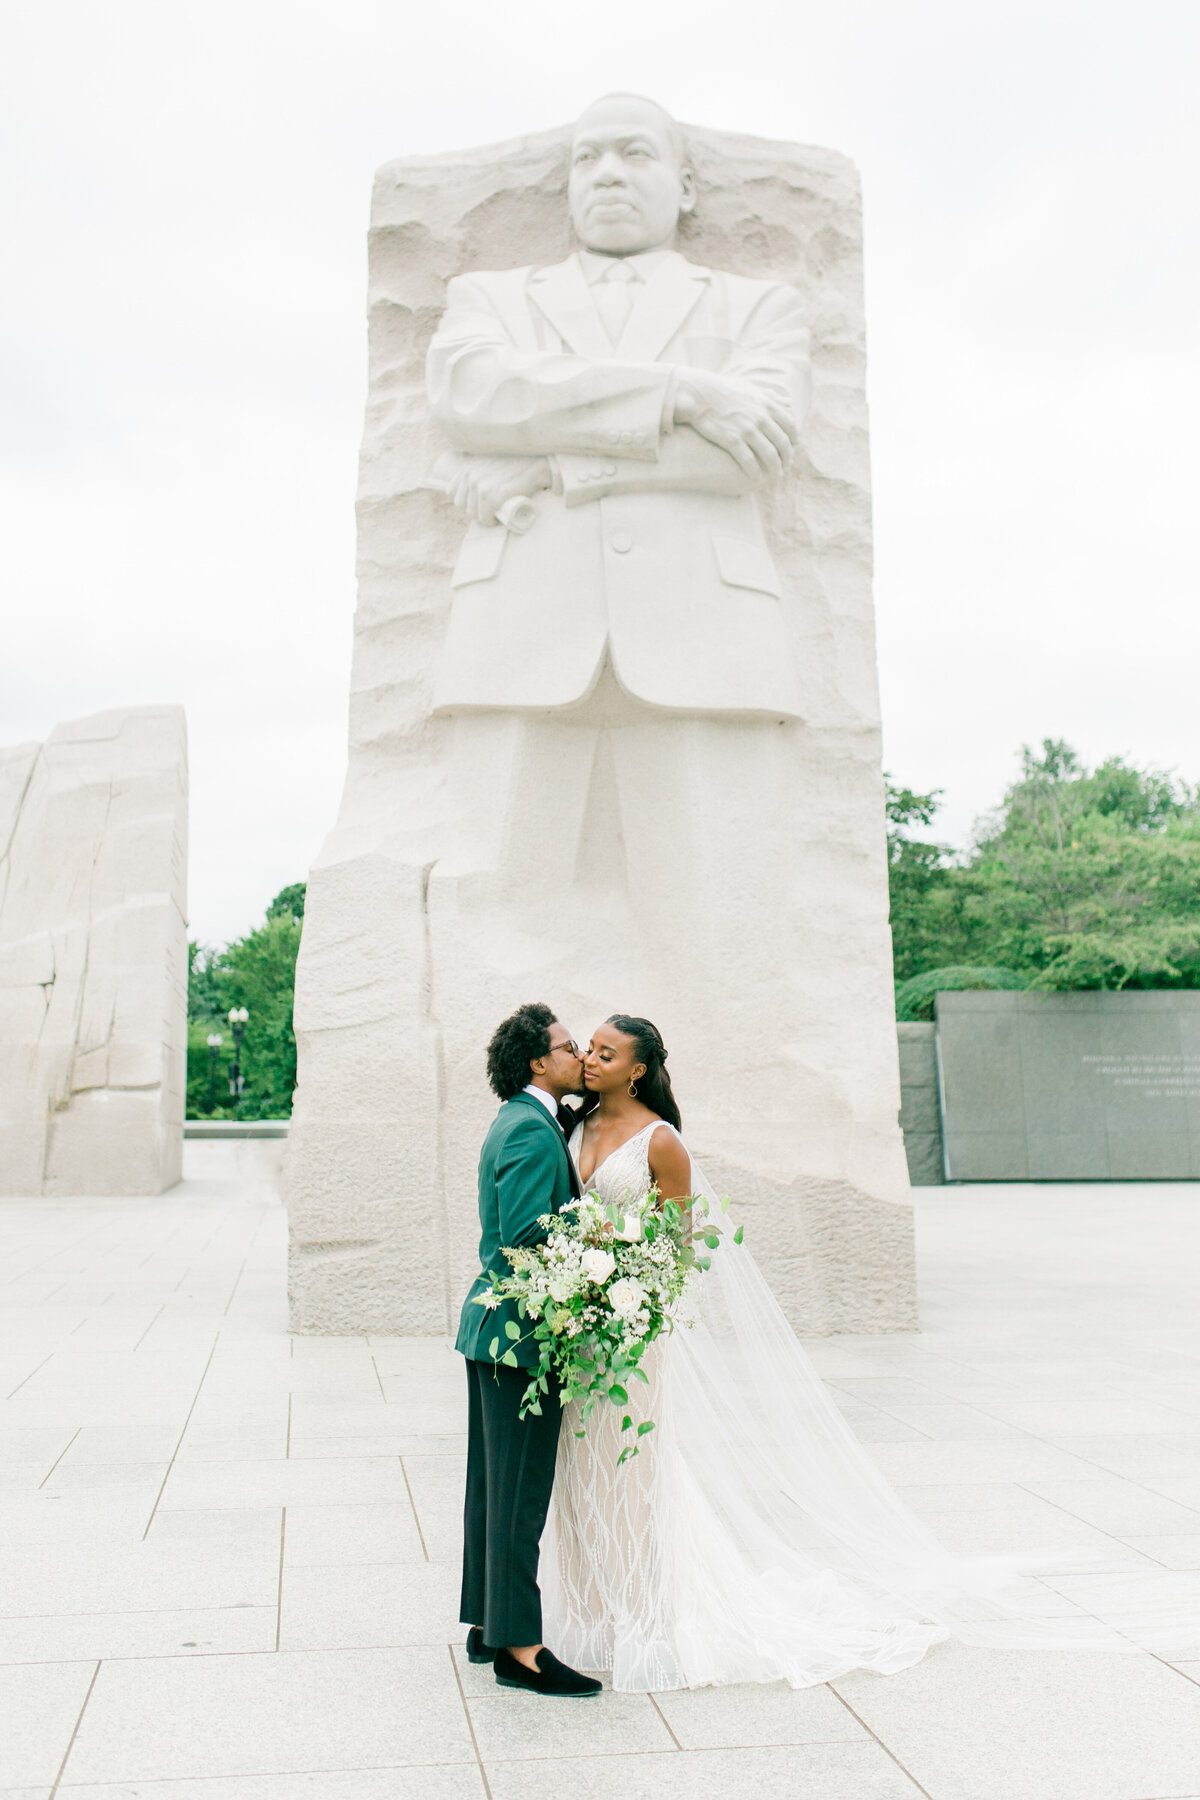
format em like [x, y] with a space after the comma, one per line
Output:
[670, 1164]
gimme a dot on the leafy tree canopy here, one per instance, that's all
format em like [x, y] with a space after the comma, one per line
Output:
[258, 972]
[1081, 878]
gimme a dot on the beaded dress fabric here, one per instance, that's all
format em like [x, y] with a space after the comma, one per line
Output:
[754, 1539]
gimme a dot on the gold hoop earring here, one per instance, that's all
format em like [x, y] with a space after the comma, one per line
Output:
[632, 1091]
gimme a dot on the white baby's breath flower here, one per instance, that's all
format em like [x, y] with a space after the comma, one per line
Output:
[490, 1300]
[597, 1265]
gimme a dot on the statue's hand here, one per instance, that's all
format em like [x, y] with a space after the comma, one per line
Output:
[484, 483]
[758, 433]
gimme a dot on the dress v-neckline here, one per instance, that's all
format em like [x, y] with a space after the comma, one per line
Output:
[587, 1180]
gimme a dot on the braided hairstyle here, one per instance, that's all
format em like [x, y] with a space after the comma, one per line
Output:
[654, 1087]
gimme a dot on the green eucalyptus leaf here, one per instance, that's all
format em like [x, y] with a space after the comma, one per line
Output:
[511, 1330]
[626, 1423]
[509, 1359]
[712, 1240]
[739, 1234]
[645, 1426]
[494, 1348]
[617, 1395]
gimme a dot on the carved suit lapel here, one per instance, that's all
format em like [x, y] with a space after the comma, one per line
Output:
[668, 297]
[564, 296]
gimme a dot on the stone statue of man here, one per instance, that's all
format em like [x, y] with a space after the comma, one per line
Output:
[640, 401]
[615, 744]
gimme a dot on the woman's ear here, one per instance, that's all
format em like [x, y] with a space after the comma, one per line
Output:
[639, 1070]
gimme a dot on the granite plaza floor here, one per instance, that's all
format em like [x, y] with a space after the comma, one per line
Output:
[229, 1557]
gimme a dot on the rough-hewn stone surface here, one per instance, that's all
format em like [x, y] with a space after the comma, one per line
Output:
[776, 1000]
[93, 956]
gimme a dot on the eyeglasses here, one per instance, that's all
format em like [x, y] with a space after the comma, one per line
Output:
[569, 1044]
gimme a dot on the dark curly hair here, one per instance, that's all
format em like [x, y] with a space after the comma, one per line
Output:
[514, 1045]
[654, 1087]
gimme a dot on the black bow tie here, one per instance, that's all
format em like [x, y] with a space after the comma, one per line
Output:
[568, 1118]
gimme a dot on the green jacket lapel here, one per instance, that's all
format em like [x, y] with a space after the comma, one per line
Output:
[556, 1128]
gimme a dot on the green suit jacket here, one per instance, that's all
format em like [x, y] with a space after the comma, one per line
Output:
[525, 1170]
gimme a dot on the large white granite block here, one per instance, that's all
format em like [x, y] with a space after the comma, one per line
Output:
[93, 956]
[681, 819]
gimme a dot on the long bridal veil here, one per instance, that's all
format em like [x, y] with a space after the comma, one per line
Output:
[788, 1553]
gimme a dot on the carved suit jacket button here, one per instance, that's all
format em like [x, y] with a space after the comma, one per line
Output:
[621, 542]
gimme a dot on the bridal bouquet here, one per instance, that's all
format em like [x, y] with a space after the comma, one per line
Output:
[597, 1293]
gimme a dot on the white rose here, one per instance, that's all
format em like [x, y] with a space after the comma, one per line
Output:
[626, 1296]
[630, 1229]
[598, 1265]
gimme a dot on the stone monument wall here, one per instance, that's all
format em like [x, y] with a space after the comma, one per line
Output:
[920, 1103]
[93, 956]
[776, 1000]
[1070, 1087]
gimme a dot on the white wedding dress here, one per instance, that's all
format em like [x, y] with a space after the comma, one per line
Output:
[753, 1539]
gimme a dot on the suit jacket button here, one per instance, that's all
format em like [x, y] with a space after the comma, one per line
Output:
[621, 542]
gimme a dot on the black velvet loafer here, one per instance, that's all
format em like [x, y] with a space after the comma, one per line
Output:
[552, 1677]
[477, 1650]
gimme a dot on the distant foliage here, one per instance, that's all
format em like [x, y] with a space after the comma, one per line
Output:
[914, 998]
[1081, 878]
[258, 972]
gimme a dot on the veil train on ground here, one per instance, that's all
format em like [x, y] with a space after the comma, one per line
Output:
[773, 1547]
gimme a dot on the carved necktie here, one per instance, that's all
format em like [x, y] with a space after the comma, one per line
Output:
[615, 295]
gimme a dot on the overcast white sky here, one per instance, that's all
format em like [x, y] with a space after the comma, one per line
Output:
[182, 354]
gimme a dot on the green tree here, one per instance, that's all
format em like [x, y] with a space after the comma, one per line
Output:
[927, 927]
[1091, 878]
[257, 971]
[1080, 878]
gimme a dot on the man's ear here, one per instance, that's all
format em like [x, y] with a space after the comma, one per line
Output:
[687, 199]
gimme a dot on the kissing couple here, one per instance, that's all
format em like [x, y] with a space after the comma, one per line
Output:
[753, 1539]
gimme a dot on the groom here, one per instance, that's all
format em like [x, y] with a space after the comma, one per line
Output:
[524, 1172]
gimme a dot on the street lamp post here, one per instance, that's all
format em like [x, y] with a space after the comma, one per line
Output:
[215, 1040]
[237, 1018]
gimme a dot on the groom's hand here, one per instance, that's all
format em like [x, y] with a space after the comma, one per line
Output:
[484, 483]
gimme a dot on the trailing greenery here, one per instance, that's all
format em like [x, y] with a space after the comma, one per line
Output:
[258, 972]
[1081, 878]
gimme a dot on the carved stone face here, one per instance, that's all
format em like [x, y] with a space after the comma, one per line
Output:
[627, 188]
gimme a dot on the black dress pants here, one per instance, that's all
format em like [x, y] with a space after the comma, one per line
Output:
[510, 1473]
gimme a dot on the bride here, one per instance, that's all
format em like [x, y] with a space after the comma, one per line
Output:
[753, 1539]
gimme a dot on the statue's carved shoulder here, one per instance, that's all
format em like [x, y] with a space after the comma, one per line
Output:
[503, 292]
[748, 295]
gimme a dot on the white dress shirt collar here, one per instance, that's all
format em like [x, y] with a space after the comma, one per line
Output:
[547, 1100]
